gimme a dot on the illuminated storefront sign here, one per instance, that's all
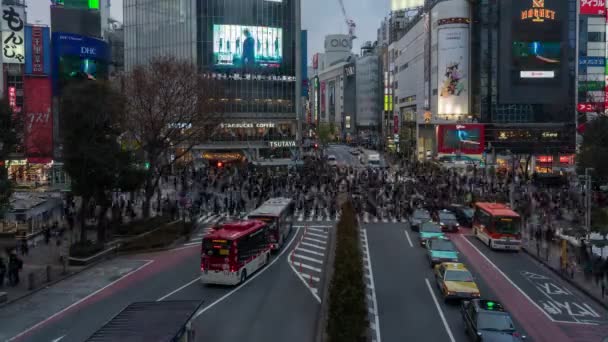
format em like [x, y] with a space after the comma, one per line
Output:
[18, 162]
[224, 156]
[538, 13]
[275, 144]
[544, 159]
[593, 7]
[248, 125]
[12, 98]
[13, 34]
[589, 107]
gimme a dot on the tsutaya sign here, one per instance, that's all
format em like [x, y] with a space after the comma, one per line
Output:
[248, 125]
[282, 144]
[538, 13]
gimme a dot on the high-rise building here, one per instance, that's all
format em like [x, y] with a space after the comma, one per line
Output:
[250, 48]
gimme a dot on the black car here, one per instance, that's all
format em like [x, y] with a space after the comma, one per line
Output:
[487, 320]
[463, 214]
[418, 217]
[447, 221]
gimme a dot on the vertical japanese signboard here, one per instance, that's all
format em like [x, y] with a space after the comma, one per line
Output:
[37, 50]
[12, 98]
[38, 117]
[13, 35]
[606, 71]
[593, 7]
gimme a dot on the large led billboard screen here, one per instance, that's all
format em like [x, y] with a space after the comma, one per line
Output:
[467, 139]
[238, 46]
[534, 35]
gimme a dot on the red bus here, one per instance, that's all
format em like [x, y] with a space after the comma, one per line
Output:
[233, 251]
[278, 213]
[497, 225]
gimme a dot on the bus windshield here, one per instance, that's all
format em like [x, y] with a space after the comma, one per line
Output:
[216, 248]
[506, 225]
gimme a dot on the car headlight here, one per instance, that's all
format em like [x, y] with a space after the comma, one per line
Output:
[441, 223]
[475, 294]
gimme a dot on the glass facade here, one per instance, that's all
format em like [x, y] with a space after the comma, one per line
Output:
[260, 89]
[159, 28]
[247, 48]
[368, 91]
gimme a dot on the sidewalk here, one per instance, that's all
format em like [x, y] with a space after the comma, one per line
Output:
[549, 254]
[41, 267]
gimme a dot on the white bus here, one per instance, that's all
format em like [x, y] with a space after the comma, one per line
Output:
[278, 213]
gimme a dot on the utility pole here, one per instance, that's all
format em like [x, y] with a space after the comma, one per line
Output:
[588, 199]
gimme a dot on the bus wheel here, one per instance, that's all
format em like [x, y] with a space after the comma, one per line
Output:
[243, 276]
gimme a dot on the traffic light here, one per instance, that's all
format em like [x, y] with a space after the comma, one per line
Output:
[220, 164]
[147, 165]
[316, 146]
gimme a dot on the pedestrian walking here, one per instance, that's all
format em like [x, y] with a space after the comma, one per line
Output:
[14, 266]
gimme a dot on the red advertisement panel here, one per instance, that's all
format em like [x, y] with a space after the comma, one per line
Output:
[323, 99]
[315, 61]
[590, 107]
[38, 117]
[462, 138]
[593, 7]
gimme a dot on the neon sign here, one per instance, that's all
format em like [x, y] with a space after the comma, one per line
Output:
[538, 13]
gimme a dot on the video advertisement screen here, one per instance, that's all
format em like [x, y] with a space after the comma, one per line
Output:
[237, 46]
[537, 59]
[467, 139]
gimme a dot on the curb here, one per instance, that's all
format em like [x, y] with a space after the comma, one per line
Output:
[567, 279]
[321, 323]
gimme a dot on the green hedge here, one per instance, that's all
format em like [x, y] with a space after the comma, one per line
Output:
[141, 226]
[159, 238]
[347, 320]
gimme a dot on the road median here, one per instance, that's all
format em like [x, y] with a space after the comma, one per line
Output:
[346, 304]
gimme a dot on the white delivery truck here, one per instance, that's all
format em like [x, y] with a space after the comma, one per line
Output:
[370, 159]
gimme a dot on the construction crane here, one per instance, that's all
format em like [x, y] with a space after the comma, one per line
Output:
[349, 22]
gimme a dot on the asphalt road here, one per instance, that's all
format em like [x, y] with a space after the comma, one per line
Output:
[406, 308]
[273, 304]
[343, 155]
[544, 307]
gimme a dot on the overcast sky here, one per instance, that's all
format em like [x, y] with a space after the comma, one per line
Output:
[319, 17]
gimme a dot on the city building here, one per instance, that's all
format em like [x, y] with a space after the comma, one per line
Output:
[467, 75]
[262, 106]
[368, 94]
[336, 86]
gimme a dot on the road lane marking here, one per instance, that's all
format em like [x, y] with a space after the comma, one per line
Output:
[312, 245]
[148, 262]
[372, 287]
[511, 281]
[315, 240]
[190, 244]
[407, 235]
[312, 268]
[310, 251]
[317, 235]
[58, 339]
[304, 257]
[257, 274]
[307, 226]
[318, 229]
[178, 289]
[445, 322]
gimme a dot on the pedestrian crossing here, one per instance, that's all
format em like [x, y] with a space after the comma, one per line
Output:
[369, 218]
[307, 259]
[317, 216]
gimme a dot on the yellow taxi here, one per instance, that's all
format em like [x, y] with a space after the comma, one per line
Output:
[455, 281]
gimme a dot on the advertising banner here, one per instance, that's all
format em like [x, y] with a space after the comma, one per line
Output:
[593, 7]
[467, 139]
[12, 98]
[237, 46]
[304, 62]
[315, 61]
[76, 55]
[590, 107]
[397, 5]
[323, 99]
[316, 99]
[453, 69]
[37, 50]
[13, 34]
[395, 124]
[592, 61]
[38, 117]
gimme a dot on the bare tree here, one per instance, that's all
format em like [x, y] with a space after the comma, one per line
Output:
[170, 108]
